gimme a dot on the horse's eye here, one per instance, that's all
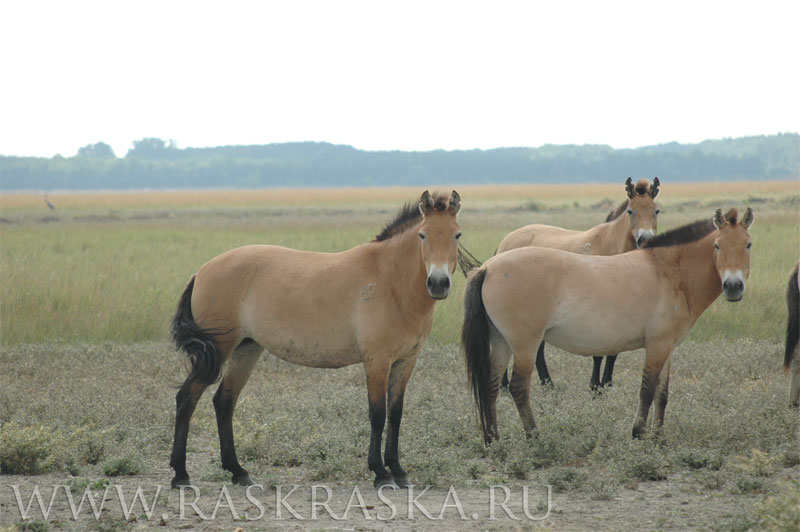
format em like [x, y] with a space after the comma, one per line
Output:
[630, 212]
[421, 235]
[716, 246]
[458, 235]
[748, 245]
[658, 211]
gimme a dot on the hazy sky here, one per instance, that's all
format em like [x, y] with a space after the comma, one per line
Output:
[394, 75]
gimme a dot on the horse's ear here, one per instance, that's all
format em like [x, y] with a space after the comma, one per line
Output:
[654, 187]
[454, 204]
[425, 202]
[719, 219]
[629, 188]
[748, 218]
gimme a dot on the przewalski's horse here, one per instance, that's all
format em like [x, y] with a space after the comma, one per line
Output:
[372, 304]
[587, 305]
[792, 358]
[618, 235]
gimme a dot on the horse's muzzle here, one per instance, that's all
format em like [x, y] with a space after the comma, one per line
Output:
[734, 289]
[643, 237]
[438, 286]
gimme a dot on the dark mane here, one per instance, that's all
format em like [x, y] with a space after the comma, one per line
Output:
[409, 216]
[682, 235]
[613, 215]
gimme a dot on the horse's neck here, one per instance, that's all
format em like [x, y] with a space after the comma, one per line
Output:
[402, 259]
[693, 269]
[618, 237]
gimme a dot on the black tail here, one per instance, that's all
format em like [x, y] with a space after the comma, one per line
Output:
[199, 344]
[466, 260]
[475, 342]
[793, 326]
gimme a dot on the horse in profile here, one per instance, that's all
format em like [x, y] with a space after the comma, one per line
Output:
[619, 234]
[372, 304]
[648, 298]
[792, 356]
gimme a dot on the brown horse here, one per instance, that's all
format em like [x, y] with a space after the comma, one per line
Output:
[618, 235]
[371, 304]
[587, 305]
[792, 358]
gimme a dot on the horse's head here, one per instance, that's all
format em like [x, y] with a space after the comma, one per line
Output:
[439, 234]
[642, 209]
[732, 251]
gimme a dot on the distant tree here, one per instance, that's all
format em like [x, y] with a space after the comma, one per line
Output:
[153, 148]
[100, 150]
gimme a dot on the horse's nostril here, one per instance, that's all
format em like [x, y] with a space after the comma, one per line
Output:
[726, 285]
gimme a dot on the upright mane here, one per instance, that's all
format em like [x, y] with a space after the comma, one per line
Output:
[613, 215]
[408, 216]
[682, 235]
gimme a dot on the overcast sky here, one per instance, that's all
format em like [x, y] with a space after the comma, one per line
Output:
[394, 75]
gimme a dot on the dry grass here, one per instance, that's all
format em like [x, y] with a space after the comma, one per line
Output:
[355, 196]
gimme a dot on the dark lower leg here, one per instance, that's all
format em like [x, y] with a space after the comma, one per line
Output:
[649, 385]
[541, 367]
[224, 404]
[377, 420]
[521, 392]
[594, 383]
[504, 382]
[185, 402]
[392, 452]
[609, 371]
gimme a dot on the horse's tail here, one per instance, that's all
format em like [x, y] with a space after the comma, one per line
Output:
[199, 344]
[466, 260]
[475, 342]
[793, 326]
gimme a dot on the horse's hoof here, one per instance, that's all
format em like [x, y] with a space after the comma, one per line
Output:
[547, 383]
[403, 482]
[384, 483]
[638, 433]
[243, 480]
[180, 482]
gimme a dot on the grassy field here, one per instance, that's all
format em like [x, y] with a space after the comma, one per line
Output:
[87, 381]
[89, 272]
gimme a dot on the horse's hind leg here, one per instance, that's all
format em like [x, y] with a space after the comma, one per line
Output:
[541, 367]
[398, 380]
[185, 402]
[608, 373]
[520, 388]
[594, 382]
[237, 372]
[499, 357]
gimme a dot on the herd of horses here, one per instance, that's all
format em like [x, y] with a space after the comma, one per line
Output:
[615, 287]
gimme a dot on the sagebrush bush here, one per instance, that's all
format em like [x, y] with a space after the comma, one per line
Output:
[26, 450]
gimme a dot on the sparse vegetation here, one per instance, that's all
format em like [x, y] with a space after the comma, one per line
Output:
[88, 382]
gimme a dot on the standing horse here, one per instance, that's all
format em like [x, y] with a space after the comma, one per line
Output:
[371, 304]
[792, 357]
[618, 235]
[587, 305]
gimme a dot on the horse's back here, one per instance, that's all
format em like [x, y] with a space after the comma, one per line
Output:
[549, 236]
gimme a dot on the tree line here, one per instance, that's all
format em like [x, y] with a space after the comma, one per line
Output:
[155, 163]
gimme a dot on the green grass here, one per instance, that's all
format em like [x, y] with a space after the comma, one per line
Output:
[117, 277]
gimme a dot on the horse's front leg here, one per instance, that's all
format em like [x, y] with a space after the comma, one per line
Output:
[662, 395]
[398, 380]
[377, 368]
[656, 356]
[608, 373]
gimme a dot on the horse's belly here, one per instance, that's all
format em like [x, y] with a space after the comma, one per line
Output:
[315, 354]
[592, 341]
